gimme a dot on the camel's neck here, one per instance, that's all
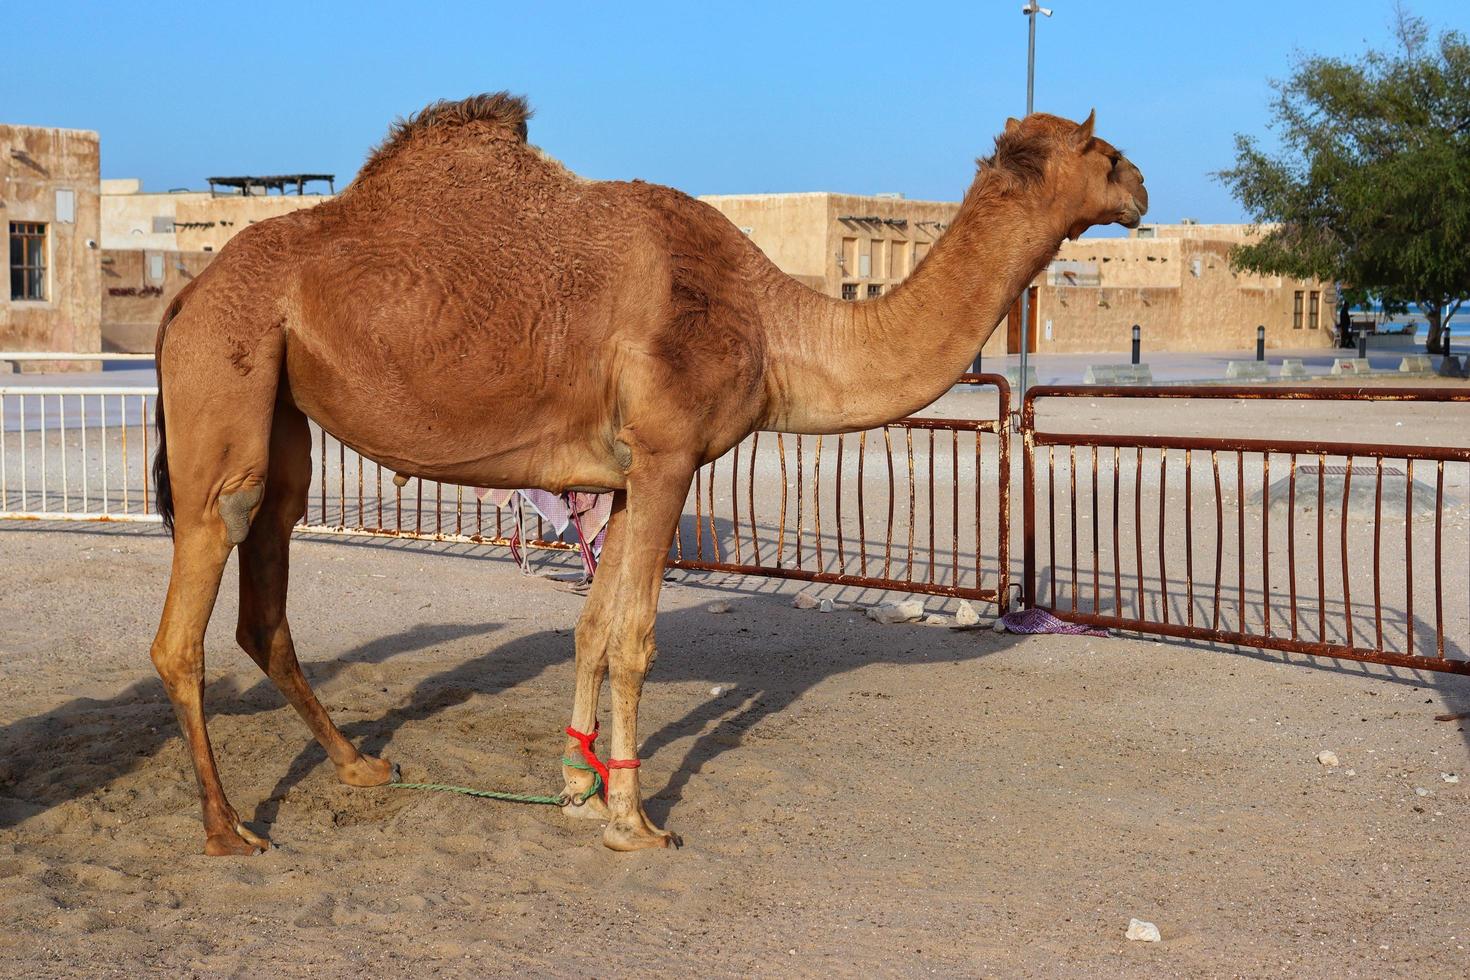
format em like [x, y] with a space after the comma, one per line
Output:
[842, 366]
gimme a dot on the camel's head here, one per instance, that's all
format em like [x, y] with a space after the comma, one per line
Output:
[1092, 182]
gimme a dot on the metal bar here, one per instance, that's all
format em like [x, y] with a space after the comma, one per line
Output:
[1051, 527]
[1439, 560]
[888, 538]
[781, 520]
[1117, 545]
[755, 543]
[1377, 549]
[817, 501]
[1409, 556]
[735, 501]
[1163, 569]
[1138, 525]
[1234, 445]
[908, 570]
[1072, 519]
[1321, 537]
[931, 505]
[1188, 536]
[1347, 596]
[1266, 539]
[1291, 542]
[834, 578]
[800, 522]
[862, 509]
[1219, 536]
[1316, 649]
[1096, 590]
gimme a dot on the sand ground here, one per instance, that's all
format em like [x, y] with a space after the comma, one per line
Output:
[859, 799]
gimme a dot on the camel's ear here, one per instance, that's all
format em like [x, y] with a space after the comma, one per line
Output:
[1084, 132]
[1012, 124]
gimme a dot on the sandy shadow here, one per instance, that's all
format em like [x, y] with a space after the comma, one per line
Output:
[110, 737]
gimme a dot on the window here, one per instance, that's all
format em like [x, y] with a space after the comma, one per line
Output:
[874, 291]
[1314, 309]
[849, 290]
[155, 266]
[1296, 311]
[900, 260]
[66, 206]
[164, 225]
[865, 265]
[27, 260]
[880, 258]
[847, 258]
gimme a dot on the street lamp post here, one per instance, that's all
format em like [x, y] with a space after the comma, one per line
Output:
[1031, 9]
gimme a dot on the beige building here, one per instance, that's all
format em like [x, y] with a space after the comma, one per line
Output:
[1174, 281]
[845, 245]
[49, 202]
[155, 242]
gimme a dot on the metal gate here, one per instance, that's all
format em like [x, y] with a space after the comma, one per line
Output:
[1345, 553]
[919, 506]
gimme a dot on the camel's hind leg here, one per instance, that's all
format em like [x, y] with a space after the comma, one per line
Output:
[263, 631]
[178, 653]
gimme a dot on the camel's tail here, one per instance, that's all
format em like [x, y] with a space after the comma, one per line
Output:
[162, 488]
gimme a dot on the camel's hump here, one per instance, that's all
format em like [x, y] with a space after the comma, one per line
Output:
[496, 110]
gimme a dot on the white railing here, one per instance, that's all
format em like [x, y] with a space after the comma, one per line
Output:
[76, 453]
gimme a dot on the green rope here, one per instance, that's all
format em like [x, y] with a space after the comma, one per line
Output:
[560, 799]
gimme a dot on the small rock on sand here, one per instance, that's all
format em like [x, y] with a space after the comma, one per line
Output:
[719, 607]
[934, 619]
[1449, 777]
[897, 612]
[721, 689]
[805, 601]
[1327, 758]
[965, 614]
[1141, 931]
[826, 606]
[1421, 791]
[998, 625]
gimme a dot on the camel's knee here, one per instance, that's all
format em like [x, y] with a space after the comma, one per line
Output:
[181, 667]
[237, 509]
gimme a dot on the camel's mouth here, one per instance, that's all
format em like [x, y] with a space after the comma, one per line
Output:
[1132, 214]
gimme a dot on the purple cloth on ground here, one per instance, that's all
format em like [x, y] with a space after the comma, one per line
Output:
[1039, 620]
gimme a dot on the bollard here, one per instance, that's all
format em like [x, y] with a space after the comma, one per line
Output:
[1261, 343]
[1137, 344]
[1362, 345]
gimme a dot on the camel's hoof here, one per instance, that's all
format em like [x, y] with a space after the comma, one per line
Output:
[237, 842]
[621, 836]
[593, 808]
[368, 771]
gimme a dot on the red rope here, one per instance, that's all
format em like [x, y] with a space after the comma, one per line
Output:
[588, 755]
[624, 763]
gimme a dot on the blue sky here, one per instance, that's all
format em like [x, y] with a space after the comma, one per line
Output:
[709, 97]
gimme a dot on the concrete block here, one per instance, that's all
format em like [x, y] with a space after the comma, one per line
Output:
[1248, 371]
[1450, 367]
[1013, 377]
[1118, 374]
[1350, 366]
[1292, 367]
[1417, 364]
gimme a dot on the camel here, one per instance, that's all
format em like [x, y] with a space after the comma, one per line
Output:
[470, 311]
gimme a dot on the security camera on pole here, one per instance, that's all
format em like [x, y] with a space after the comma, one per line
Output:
[1031, 9]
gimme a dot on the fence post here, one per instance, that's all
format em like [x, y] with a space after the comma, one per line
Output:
[1261, 343]
[1137, 343]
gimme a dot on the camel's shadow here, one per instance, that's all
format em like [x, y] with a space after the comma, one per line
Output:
[751, 650]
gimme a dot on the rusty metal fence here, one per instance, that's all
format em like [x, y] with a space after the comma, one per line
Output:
[920, 506]
[1313, 546]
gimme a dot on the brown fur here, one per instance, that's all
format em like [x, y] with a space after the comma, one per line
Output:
[470, 311]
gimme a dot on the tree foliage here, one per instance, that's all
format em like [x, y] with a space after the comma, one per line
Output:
[1371, 184]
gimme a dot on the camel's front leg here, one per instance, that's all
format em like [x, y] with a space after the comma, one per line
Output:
[598, 614]
[656, 490]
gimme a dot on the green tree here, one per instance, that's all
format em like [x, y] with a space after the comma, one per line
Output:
[1371, 184]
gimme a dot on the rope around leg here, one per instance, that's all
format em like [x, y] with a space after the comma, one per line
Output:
[590, 764]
